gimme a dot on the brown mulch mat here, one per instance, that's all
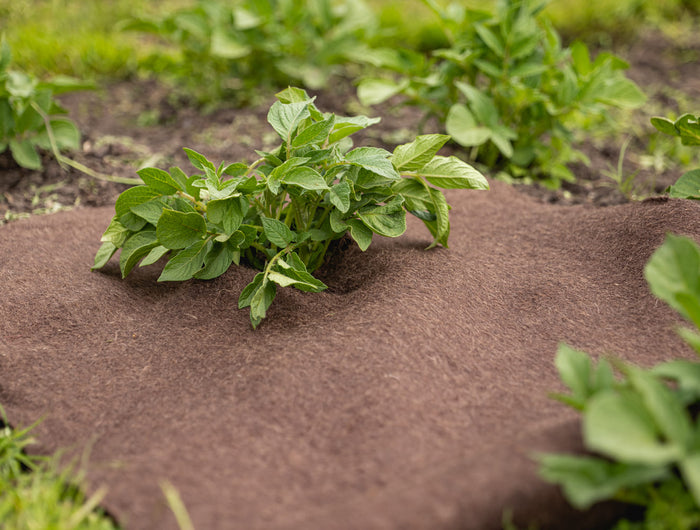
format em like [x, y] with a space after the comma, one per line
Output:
[411, 394]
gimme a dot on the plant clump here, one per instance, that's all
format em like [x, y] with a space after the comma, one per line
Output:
[29, 115]
[225, 51]
[642, 429]
[507, 89]
[280, 213]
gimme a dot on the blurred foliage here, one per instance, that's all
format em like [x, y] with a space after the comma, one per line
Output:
[234, 50]
[74, 38]
[82, 38]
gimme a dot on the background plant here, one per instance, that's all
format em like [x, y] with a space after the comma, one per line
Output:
[687, 128]
[507, 89]
[230, 50]
[643, 428]
[281, 212]
[30, 118]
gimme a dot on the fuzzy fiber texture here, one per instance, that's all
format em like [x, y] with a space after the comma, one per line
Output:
[411, 394]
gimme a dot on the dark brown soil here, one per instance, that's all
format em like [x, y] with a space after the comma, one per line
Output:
[133, 124]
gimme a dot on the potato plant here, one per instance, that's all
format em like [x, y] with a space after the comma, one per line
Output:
[280, 213]
[29, 115]
[643, 429]
[232, 49]
[687, 128]
[506, 89]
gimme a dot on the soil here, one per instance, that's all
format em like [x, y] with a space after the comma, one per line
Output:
[132, 124]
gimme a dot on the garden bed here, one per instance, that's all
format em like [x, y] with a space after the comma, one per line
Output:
[411, 394]
[129, 124]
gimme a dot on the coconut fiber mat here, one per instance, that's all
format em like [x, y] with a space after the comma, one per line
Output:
[411, 394]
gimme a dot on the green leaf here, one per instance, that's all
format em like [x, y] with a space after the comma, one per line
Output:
[315, 133]
[453, 173]
[490, 39]
[575, 371]
[415, 155]
[182, 181]
[462, 127]
[226, 212]
[620, 92]
[386, 220]
[687, 187]
[587, 480]
[154, 255]
[416, 194]
[65, 134]
[116, 233]
[618, 426]
[685, 373]
[673, 274]
[375, 91]
[224, 45]
[340, 196]
[581, 58]
[249, 291]
[285, 117]
[360, 233]
[179, 230]
[293, 95]
[151, 210]
[159, 180]
[441, 230]
[24, 154]
[306, 178]
[302, 280]
[337, 223]
[292, 260]
[345, 126]
[690, 469]
[665, 125]
[104, 254]
[274, 179]
[668, 412]
[198, 160]
[483, 107]
[237, 169]
[277, 232]
[135, 248]
[261, 301]
[373, 159]
[216, 262]
[187, 263]
[688, 128]
[60, 84]
[501, 137]
[133, 197]
[132, 221]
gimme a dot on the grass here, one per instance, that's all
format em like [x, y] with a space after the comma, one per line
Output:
[36, 493]
[43, 493]
[75, 38]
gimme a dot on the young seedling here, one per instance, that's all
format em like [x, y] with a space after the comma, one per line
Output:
[280, 213]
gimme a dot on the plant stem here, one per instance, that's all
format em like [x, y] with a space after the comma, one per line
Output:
[251, 167]
[65, 161]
